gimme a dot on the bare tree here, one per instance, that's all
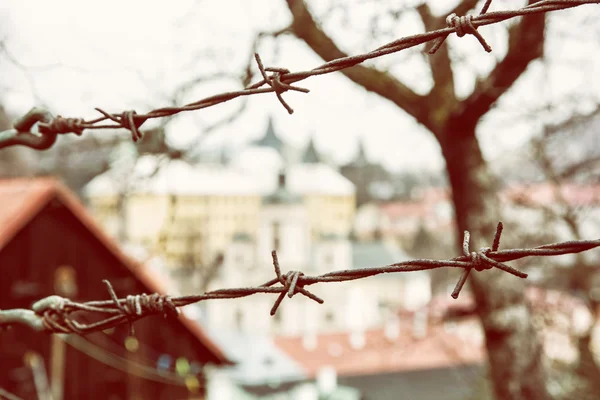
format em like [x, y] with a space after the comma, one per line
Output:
[581, 276]
[513, 346]
[514, 349]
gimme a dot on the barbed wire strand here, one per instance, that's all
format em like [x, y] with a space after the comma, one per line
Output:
[8, 396]
[279, 80]
[55, 314]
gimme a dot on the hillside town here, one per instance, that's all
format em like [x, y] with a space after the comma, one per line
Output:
[300, 200]
[213, 224]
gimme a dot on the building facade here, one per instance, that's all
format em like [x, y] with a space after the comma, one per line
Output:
[181, 212]
[285, 226]
[258, 202]
[189, 214]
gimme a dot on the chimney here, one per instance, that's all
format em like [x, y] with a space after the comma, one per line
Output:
[309, 341]
[391, 329]
[357, 339]
[326, 380]
[420, 324]
[281, 179]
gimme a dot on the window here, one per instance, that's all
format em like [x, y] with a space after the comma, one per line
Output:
[329, 317]
[276, 236]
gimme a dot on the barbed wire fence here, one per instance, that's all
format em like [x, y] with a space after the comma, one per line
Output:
[56, 314]
[279, 81]
[39, 129]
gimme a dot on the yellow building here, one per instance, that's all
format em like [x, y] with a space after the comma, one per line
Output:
[329, 198]
[188, 214]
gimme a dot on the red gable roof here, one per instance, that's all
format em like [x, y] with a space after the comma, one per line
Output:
[20, 201]
[438, 349]
[540, 299]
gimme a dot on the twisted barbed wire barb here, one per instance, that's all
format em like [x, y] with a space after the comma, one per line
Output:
[55, 314]
[279, 81]
[462, 26]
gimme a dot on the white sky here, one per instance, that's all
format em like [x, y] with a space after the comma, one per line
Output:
[121, 55]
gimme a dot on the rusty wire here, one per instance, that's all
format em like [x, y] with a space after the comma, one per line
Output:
[54, 314]
[279, 81]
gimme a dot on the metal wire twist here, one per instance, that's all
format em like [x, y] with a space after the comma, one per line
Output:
[279, 81]
[55, 314]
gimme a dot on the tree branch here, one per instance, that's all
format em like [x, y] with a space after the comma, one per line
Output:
[306, 28]
[525, 44]
[442, 94]
[462, 8]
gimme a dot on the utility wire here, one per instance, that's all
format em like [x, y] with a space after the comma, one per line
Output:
[8, 396]
[122, 364]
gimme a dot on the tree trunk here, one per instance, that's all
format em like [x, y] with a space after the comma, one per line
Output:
[513, 346]
[587, 368]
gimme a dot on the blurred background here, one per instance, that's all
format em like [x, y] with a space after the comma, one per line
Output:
[354, 178]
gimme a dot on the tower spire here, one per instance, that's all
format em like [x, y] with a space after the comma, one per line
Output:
[361, 156]
[270, 138]
[310, 156]
[223, 157]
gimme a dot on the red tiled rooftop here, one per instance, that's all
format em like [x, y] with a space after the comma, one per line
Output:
[539, 193]
[539, 298]
[546, 193]
[402, 209]
[439, 349]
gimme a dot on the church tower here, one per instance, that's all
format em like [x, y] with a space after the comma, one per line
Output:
[284, 227]
[365, 175]
[311, 156]
[270, 139]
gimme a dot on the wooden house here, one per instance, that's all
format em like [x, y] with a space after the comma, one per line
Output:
[49, 244]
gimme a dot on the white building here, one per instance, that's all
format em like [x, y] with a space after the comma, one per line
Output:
[246, 209]
[284, 226]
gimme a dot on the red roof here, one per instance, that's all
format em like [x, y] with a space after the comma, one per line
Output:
[402, 209]
[420, 207]
[438, 349]
[534, 194]
[540, 299]
[546, 193]
[23, 198]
